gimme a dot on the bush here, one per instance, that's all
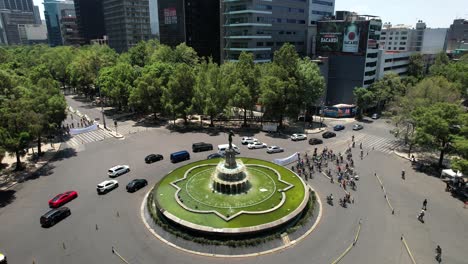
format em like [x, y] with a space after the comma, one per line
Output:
[2, 154]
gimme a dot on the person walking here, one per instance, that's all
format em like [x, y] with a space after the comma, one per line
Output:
[438, 256]
[421, 215]
[424, 204]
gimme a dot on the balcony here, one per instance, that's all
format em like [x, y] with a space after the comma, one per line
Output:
[248, 11]
[247, 37]
[248, 49]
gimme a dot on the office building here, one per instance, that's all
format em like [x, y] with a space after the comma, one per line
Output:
[457, 35]
[31, 34]
[126, 22]
[318, 9]
[420, 39]
[37, 15]
[195, 22]
[154, 18]
[262, 27]
[12, 14]
[69, 28]
[350, 42]
[393, 62]
[90, 19]
[54, 10]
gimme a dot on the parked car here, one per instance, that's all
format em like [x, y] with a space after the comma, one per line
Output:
[106, 186]
[328, 134]
[54, 216]
[248, 140]
[153, 158]
[274, 149]
[136, 185]
[214, 156]
[296, 137]
[257, 145]
[201, 146]
[222, 148]
[180, 156]
[315, 141]
[357, 127]
[118, 170]
[338, 127]
[62, 198]
[375, 116]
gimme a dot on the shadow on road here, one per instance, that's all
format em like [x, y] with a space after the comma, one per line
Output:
[7, 197]
[65, 153]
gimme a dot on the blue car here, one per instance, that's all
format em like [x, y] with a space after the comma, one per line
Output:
[338, 127]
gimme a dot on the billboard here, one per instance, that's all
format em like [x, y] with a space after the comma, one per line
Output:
[342, 36]
[170, 16]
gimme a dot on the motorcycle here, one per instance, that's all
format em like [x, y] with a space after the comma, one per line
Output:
[330, 199]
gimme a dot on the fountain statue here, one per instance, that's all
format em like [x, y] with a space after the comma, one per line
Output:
[230, 176]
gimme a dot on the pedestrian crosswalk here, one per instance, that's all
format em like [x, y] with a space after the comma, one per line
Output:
[129, 127]
[377, 143]
[88, 137]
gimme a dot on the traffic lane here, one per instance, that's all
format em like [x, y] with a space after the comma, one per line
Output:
[444, 218]
[86, 108]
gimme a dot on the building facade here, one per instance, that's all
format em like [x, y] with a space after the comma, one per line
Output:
[37, 15]
[396, 38]
[54, 11]
[12, 14]
[154, 17]
[31, 34]
[69, 28]
[458, 35]
[318, 9]
[351, 44]
[195, 22]
[90, 19]
[127, 22]
[262, 27]
[393, 62]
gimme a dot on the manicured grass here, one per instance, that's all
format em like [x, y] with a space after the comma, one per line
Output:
[196, 194]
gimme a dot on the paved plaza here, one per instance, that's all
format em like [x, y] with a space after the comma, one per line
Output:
[99, 223]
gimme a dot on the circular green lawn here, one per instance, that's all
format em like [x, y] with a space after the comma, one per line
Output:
[186, 194]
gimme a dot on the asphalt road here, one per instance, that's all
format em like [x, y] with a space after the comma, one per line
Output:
[99, 222]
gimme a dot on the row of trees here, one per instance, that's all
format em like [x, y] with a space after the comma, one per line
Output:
[149, 78]
[427, 107]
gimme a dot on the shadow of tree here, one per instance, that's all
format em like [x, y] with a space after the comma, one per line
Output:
[7, 197]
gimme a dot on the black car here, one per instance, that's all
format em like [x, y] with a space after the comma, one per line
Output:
[53, 216]
[153, 158]
[201, 146]
[328, 134]
[315, 141]
[214, 156]
[136, 185]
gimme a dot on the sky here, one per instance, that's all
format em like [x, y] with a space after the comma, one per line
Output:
[436, 13]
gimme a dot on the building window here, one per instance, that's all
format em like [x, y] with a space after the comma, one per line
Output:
[403, 43]
[391, 32]
[404, 33]
[259, 44]
[394, 48]
[382, 38]
[320, 2]
[270, 44]
[390, 38]
[403, 38]
[401, 48]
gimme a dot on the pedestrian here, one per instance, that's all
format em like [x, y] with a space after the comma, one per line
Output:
[360, 145]
[421, 215]
[424, 204]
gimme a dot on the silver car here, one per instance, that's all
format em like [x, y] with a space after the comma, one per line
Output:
[274, 149]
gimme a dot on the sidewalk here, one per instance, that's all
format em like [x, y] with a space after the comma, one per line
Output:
[9, 177]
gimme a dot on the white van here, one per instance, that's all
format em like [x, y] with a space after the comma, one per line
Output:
[222, 148]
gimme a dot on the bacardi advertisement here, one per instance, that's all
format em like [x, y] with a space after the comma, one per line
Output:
[342, 37]
[351, 38]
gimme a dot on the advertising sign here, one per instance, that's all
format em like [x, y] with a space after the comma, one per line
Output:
[342, 36]
[170, 16]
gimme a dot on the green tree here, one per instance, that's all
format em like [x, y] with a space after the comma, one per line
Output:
[387, 88]
[433, 126]
[364, 98]
[56, 60]
[177, 96]
[460, 144]
[209, 93]
[416, 67]
[149, 87]
[310, 81]
[116, 83]
[140, 54]
[180, 54]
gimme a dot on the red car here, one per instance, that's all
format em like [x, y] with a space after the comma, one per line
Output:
[63, 198]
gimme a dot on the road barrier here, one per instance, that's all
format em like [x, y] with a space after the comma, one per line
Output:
[385, 193]
[114, 251]
[351, 245]
[408, 249]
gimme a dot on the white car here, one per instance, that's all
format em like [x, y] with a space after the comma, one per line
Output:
[106, 186]
[248, 140]
[296, 137]
[118, 170]
[274, 149]
[257, 145]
